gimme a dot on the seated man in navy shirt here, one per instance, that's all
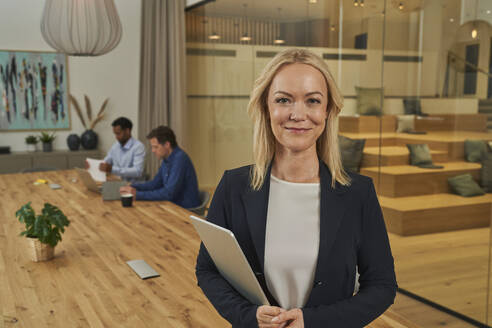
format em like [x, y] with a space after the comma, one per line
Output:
[176, 180]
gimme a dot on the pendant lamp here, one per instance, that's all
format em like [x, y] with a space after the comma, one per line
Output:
[81, 27]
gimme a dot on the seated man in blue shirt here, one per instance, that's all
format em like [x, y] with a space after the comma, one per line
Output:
[176, 179]
[126, 156]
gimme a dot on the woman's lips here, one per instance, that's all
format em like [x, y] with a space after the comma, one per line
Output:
[297, 130]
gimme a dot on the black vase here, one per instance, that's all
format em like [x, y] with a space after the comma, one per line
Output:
[89, 139]
[73, 142]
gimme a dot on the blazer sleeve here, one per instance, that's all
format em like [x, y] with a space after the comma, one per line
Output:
[227, 301]
[377, 276]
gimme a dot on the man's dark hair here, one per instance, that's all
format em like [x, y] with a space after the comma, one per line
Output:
[122, 122]
[163, 134]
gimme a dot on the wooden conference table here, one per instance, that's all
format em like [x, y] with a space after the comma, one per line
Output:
[88, 283]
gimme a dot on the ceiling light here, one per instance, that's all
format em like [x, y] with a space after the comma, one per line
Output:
[81, 27]
[214, 36]
[488, 12]
[474, 33]
[245, 37]
[451, 20]
[313, 1]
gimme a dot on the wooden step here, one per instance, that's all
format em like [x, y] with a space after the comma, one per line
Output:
[366, 123]
[451, 122]
[452, 142]
[374, 139]
[395, 155]
[408, 180]
[417, 215]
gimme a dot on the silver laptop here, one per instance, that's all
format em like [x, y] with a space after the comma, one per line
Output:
[110, 190]
[230, 260]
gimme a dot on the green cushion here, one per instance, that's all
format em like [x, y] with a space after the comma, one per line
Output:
[486, 171]
[419, 154]
[464, 185]
[351, 152]
[474, 150]
[412, 106]
[369, 101]
[406, 123]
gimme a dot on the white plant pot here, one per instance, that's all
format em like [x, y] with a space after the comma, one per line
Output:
[31, 147]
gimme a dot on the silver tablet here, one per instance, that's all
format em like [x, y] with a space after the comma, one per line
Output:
[230, 260]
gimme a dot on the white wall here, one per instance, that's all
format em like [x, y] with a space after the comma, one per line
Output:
[114, 75]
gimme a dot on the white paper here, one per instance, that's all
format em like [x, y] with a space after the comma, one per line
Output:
[96, 174]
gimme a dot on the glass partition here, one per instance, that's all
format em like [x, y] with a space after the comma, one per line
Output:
[415, 76]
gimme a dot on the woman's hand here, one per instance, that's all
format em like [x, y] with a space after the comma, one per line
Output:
[290, 319]
[265, 314]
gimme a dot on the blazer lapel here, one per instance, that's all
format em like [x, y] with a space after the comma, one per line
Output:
[256, 206]
[332, 207]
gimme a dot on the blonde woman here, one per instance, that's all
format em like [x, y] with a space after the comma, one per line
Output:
[302, 222]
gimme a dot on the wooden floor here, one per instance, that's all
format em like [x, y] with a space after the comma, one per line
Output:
[425, 316]
[449, 268]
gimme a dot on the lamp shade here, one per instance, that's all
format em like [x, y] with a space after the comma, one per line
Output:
[81, 27]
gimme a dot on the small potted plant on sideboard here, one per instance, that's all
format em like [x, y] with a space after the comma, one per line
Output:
[43, 231]
[47, 140]
[31, 142]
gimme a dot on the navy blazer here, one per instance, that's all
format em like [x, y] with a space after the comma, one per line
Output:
[352, 233]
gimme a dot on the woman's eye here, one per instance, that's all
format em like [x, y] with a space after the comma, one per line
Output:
[282, 100]
[314, 101]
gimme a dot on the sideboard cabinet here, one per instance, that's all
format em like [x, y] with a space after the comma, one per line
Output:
[63, 159]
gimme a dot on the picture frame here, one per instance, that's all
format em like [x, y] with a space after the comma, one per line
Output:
[33, 91]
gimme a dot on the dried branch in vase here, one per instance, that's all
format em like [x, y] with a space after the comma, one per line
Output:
[91, 122]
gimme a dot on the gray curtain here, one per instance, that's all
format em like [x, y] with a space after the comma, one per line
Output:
[162, 94]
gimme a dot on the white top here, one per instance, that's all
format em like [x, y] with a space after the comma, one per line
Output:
[291, 241]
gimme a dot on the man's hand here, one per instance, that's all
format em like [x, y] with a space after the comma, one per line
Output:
[292, 318]
[265, 314]
[105, 167]
[128, 190]
[86, 164]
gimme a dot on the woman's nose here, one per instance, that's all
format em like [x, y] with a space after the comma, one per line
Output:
[298, 112]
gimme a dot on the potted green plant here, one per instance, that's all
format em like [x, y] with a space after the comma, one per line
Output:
[31, 142]
[47, 140]
[44, 230]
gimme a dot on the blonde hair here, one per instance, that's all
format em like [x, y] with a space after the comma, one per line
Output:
[263, 138]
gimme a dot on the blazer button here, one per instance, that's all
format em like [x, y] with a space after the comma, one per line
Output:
[318, 283]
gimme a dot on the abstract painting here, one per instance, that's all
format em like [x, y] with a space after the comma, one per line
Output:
[33, 90]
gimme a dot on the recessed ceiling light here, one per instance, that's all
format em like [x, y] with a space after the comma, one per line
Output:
[214, 36]
[313, 1]
[474, 33]
[245, 37]
[451, 20]
[488, 12]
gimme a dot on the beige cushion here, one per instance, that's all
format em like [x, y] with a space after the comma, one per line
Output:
[369, 101]
[406, 123]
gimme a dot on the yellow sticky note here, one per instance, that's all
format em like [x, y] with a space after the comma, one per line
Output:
[40, 181]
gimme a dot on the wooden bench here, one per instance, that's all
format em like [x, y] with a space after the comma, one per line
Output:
[417, 215]
[395, 155]
[366, 123]
[408, 180]
[451, 122]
